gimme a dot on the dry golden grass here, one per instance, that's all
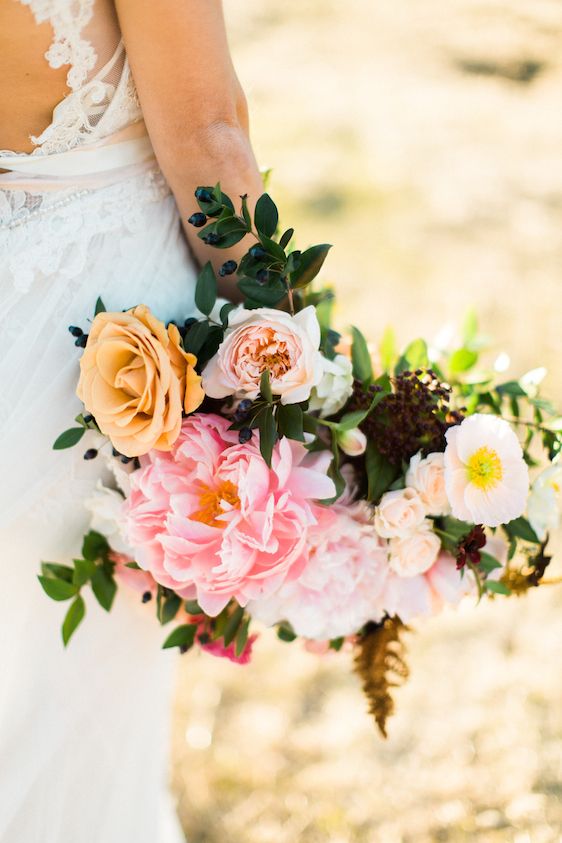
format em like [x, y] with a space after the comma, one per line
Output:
[424, 140]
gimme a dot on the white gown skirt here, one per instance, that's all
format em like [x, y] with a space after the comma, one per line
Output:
[84, 741]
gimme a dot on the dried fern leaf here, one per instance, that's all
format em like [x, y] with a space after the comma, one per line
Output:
[380, 662]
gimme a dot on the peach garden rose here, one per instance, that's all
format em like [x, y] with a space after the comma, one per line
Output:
[266, 339]
[137, 381]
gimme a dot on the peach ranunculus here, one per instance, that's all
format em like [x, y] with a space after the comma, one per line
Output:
[266, 339]
[427, 476]
[137, 381]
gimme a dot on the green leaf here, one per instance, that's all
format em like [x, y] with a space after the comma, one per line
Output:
[95, 546]
[351, 420]
[456, 528]
[69, 438]
[104, 587]
[73, 619]
[265, 387]
[182, 636]
[511, 388]
[58, 572]
[84, 569]
[285, 633]
[133, 566]
[57, 589]
[268, 434]
[169, 608]
[462, 360]
[286, 238]
[206, 289]
[497, 587]
[246, 213]
[415, 357]
[100, 307]
[311, 262]
[388, 350]
[521, 529]
[242, 638]
[290, 421]
[380, 473]
[336, 644]
[225, 312]
[267, 296]
[324, 311]
[231, 232]
[266, 215]
[193, 607]
[232, 625]
[361, 358]
[195, 337]
[488, 563]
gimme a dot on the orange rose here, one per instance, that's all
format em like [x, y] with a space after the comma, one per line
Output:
[136, 380]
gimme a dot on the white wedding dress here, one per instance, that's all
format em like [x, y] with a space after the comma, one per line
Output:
[83, 732]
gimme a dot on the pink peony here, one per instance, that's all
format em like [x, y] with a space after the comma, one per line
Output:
[340, 588]
[212, 521]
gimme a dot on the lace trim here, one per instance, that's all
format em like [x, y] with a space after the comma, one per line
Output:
[81, 215]
[68, 20]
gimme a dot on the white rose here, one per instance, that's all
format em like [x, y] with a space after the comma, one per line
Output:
[352, 442]
[335, 388]
[427, 476]
[416, 553]
[544, 504]
[105, 506]
[399, 513]
[266, 339]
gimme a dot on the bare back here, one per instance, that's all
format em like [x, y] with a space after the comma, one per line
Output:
[30, 85]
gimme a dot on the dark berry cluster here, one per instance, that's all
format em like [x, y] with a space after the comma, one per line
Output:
[413, 417]
[469, 549]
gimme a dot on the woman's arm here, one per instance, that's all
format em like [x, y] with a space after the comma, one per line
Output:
[193, 104]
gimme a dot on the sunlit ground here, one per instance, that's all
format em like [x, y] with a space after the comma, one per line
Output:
[424, 140]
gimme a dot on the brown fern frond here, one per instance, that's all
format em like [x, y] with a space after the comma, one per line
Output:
[380, 662]
[530, 576]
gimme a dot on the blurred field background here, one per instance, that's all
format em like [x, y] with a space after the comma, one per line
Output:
[424, 140]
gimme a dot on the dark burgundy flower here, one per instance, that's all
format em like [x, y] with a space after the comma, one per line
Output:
[468, 549]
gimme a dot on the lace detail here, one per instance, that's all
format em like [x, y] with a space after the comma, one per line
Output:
[68, 20]
[80, 214]
[96, 108]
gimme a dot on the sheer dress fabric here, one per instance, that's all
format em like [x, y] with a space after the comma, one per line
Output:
[83, 732]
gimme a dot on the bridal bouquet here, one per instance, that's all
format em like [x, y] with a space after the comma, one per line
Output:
[267, 469]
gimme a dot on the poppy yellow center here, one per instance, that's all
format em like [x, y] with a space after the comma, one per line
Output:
[485, 469]
[215, 502]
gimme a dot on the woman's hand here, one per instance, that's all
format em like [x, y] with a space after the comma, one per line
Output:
[194, 107]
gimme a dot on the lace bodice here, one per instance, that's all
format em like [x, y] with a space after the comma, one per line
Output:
[100, 101]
